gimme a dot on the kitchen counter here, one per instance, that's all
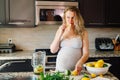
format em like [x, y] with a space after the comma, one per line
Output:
[27, 54]
[96, 53]
[31, 76]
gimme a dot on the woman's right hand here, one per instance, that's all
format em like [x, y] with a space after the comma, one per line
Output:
[61, 30]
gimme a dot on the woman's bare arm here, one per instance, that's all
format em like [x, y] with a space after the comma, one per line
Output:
[85, 52]
[56, 42]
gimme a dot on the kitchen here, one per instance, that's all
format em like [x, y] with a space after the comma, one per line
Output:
[29, 39]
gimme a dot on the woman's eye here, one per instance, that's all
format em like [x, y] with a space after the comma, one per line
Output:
[68, 17]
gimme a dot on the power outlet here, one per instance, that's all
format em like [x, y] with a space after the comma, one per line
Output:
[10, 40]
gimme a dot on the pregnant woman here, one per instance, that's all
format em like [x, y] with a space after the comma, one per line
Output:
[71, 40]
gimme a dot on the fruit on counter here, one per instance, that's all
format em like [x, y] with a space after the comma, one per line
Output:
[101, 75]
[67, 72]
[74, 73]
[39, 69]
[93, 75]
[85, 77]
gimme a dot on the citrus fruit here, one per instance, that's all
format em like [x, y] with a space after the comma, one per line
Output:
[94, 63]
[85, 78]
[99, 65]
[93, 75]
[67, 72]
[101, 61]
[101, 75]
[89, 65]
[74, 73]
[105, 65]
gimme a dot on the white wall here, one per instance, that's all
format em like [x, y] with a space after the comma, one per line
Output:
[42, 36]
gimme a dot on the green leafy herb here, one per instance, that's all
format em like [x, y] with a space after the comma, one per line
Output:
[54, 76]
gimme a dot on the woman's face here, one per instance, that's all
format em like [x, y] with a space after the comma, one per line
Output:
[69, 17]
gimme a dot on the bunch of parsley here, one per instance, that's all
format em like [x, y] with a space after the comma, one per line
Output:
[54, 76]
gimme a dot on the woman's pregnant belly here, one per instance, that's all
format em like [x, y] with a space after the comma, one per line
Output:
[67, 58]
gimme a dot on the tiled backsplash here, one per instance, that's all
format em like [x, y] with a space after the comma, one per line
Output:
[42, 36]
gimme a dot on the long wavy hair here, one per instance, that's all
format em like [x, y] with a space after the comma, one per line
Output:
[78, 20]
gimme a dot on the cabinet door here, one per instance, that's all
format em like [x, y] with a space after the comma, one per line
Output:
[113, 12]
[2, 11]
[93, 11]
[21, 12]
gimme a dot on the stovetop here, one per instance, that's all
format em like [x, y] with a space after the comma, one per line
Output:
[46, 50]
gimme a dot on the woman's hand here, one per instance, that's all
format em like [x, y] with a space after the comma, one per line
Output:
[62, 28]
[78, 69]
[54, 47]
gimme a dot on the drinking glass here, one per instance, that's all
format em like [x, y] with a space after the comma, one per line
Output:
[38, 62]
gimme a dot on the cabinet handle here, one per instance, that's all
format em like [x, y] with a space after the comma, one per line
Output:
[103, 59]
[16, 23]
[113, 23]
[96, 23]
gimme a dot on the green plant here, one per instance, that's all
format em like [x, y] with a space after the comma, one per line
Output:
[54, 76]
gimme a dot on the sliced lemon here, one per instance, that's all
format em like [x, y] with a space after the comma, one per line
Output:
[93, 75]
[74, 73]
[85, 78]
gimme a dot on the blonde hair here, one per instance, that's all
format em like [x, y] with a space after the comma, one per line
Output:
[78, 20]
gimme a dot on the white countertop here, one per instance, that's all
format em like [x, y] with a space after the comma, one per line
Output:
[27, 54]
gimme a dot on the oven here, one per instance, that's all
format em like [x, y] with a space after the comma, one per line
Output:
[51, 12]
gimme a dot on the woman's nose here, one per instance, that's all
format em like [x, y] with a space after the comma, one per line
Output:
[71, 20]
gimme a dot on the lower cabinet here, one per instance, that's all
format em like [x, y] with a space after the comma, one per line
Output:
[16, 66]
[114, 61]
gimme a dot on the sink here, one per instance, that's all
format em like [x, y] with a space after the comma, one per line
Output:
[17, 66]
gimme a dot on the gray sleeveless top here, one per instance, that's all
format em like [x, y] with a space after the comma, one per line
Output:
[69, 54]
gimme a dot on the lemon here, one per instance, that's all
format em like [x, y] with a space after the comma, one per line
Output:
[93, 75]
[99, 65]
[89, 65]
[101, 75]
[101, 61]
[85, 78]
[74, 73]
[94, 63]
[67, 72]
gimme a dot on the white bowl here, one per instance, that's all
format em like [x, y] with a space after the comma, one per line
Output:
[97, 71]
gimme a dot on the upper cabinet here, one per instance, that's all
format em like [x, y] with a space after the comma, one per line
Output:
[100, 12]
[113, 12]
[19, 13]
[2, 11]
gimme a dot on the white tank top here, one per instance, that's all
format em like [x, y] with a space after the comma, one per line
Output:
[69, 54]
